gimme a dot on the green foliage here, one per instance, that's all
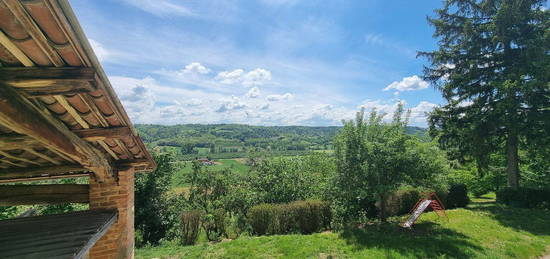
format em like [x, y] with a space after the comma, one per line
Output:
[154, 215]
[483, 230]
[492, 69]
[525, 197]
[374, 159]
[286, 179]
[457, 196]
[402, 201]
[190, 226]
[296, 217]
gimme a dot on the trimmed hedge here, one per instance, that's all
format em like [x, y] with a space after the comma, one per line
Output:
[296, 217]
[457, 197]
[525, 197]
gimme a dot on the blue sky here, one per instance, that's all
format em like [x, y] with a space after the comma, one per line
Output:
[265, 62]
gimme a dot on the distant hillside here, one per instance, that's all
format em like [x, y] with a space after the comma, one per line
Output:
[234, 140]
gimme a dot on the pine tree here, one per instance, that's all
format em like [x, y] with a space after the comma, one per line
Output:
[493, 69]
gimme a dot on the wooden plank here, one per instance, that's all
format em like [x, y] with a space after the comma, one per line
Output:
[103, 133]
[28, 75]
[14, 50]
[11, 195]
[8, 155]
[28, 172]
[43, 156]
[21, 116]
[46, 177]
[16, 141]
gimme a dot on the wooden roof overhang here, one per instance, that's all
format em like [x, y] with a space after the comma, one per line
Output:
[59, 115]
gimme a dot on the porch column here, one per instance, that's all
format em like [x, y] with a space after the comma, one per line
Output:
[118, 242]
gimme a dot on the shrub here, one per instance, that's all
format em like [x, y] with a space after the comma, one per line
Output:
[301, 216]
[457, 197]
[525, 197]
[190, 226]
[214, 224]
[402, 201]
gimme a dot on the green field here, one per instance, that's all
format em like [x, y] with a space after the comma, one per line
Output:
[483, 230]
[236, 165]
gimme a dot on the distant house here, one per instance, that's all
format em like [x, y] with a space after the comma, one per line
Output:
[206, 161]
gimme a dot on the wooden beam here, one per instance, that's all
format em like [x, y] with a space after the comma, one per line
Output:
[42, 81]
[23, 76]
[104, 133]
[10, 175]
[30, 172]
[16, 141]
[11, 195]
[14, 50]
[23, 117]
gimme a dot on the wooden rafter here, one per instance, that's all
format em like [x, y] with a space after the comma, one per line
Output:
[14, 50]
[21, 116]
[15, 141]
[11, 195]
[34, 30]
[44, 171]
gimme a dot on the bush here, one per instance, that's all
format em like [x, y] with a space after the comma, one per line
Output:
[301, 216]
[190, 226]
[402, 201]
[457, 197]
[525, 197]
[214, 224]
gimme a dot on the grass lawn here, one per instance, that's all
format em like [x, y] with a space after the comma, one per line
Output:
[483, 230]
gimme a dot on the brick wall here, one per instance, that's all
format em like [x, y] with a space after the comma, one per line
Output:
[118, 242]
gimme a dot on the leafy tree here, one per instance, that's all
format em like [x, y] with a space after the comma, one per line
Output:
[374, 159]
[153, 215]
[492, 68]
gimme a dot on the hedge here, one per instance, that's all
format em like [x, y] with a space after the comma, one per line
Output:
[296, 217]
[525, 197]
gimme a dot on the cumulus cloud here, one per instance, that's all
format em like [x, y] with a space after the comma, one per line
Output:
[100, 51]
[136, 95]
[234, 103]
[195, 68]
[279, 97]
[254, 92]
[255, 77]
[410, 83]
[230, 77]
[419, 112]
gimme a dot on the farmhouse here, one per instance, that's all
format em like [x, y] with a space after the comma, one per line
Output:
[60, 118]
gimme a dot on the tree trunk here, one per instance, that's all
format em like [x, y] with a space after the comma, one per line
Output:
[383, 208]
[512, 159]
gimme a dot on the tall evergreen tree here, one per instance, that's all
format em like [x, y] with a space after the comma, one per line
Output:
[493, 69]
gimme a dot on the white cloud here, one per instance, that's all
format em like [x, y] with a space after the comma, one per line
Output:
[195, 68]
[161, 7]
[410, 83]
[256, 77]
[419, 112]
[230, 77]
[379, 40]
[279, 97]
[100, 51]
[254, 92]
[234, 103]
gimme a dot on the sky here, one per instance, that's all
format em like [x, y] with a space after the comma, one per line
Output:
[263, 62]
